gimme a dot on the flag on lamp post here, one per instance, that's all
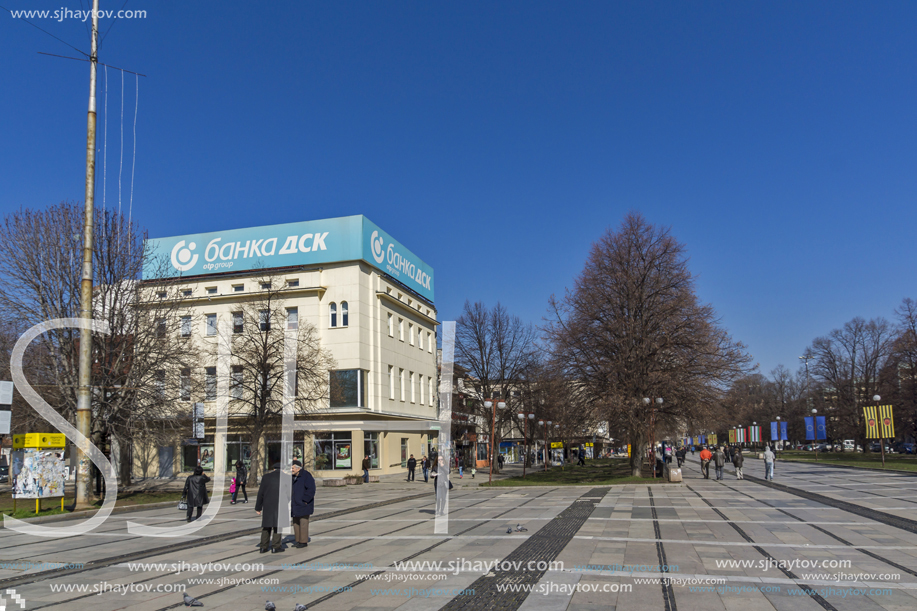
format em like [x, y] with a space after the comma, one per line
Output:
[783, 436]
[732, 435]
[821, 431]
[774, 435]
[810, 428]
[754, 433]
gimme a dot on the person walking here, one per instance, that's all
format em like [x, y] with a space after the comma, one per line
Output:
[425, 466]
[440, 480]
[769, 459]
[268, 508]
[196, 492]
[241, 479]
[705, 457]
[412, 465]
[366, 466]
[680, 456]
[737, 461]
[303, 503]
[582, 457]
[719, 461]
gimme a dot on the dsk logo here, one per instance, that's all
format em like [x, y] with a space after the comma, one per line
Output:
[376, 241]
[16, 598]
[182, 259]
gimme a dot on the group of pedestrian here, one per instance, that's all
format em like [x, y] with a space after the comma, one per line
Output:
[735, 456]
[302, 506]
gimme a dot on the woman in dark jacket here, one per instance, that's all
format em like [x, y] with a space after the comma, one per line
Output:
[196, 491]
[303, 503]
[241, 477]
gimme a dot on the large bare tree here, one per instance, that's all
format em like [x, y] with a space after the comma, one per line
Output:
[632, 327]
[40, 254]
[497, 350]
[260, 331]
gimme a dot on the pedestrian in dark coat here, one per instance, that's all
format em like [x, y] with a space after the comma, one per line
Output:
[582, 457]
[303, 503]
[440, 479]
[719, 461]
[737, 461]
[267, 507]
[196, 492]
[241, 479]
[412, 465]
[425, 465]
[366, 465]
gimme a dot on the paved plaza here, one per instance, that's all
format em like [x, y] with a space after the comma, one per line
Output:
[820, 537]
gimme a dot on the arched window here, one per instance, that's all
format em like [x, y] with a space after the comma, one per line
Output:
[333, 310]
[343, 313]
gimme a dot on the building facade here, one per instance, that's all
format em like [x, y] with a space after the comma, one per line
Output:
[370, 303]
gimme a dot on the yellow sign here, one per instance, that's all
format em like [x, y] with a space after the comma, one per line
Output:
[589, 445]
[557, 444]
[880, 422]
[39, 440]
[732, 436]
[628, 449]
[711, 439]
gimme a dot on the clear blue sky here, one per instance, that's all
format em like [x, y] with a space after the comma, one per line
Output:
[498, 140]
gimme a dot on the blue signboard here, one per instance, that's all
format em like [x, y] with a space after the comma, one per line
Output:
[350, 238]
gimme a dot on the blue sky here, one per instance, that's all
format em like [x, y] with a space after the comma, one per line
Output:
[498, 140]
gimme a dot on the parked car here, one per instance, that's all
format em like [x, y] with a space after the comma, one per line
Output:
[905, 448]
[4, 474]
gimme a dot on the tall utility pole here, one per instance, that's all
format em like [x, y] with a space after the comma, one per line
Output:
[84, 400]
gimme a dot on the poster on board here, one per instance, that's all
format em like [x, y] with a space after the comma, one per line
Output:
[38, 474]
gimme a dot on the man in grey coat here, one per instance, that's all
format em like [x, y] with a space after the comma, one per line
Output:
[719, 461]
[267, 507]
[737, 461]
[769, 459]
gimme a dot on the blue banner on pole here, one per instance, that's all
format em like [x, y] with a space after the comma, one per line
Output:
[703, 439]
[783, 436]
[821, 431]
[774, 431]
[810, 429]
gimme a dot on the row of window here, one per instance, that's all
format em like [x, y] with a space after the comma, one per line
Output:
[236, 288]
[409, 383]
[391, 333]
[264, 322]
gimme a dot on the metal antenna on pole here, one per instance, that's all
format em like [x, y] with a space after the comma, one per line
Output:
[84, 404]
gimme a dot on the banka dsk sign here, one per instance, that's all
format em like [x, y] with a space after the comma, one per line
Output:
[349, 238]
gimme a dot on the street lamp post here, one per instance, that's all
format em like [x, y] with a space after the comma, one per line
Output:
[779, 440]
[754, 425]
[493, 430]
[877, 398]
[525, 440]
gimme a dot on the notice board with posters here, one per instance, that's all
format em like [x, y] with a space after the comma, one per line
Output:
[38, 473]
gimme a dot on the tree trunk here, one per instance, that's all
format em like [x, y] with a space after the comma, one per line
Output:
[255, 472]
[637, 441]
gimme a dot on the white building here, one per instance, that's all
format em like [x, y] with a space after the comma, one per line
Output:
[371, 303]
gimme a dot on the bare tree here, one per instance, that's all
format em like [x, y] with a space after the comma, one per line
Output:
[497, 350]
[40, 255]
[633, 328]
[847, 365]
[898, 379]
[261, 330]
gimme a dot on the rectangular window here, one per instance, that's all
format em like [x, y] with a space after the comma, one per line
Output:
[347, 388]
[264, 320]
[160, 327]
[211, 325]
[391, 326]
[238, 288]
[482, 451]
[412, 387]
[404, 451]
[333, 451]
[160, 383]
[401, 382]
[371, 449]
[211, 290]
[184, 385]
[237, 321]
[265, 286]
[162, 294]
[420, 384]
[432, 393]
[186, 326]
[429, 342]
[292, 318]
[401, 329]
[186, 293]
[411, 333]
[235, 382]
[292, 284]
[210, 384]
[391, 382]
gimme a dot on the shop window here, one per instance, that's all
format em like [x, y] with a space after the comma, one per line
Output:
[347, 388]
[237, 448]
[333, 451]
[371, 449]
